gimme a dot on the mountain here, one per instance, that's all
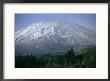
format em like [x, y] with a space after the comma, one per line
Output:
[53, 36]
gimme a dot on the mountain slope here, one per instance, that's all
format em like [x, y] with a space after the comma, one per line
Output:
[45, 37]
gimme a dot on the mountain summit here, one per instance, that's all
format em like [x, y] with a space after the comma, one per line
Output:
[53, 36]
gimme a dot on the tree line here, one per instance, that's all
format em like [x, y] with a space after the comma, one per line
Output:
[70, 59]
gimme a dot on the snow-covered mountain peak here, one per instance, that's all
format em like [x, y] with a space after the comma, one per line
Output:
[46, 36]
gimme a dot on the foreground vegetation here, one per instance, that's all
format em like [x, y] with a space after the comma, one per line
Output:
[85, 58]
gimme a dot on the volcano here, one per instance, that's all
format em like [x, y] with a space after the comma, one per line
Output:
[53, 36]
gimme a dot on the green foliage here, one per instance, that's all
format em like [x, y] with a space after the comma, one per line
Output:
[85, 59]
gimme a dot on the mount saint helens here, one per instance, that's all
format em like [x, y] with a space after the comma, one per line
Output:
[51, 37]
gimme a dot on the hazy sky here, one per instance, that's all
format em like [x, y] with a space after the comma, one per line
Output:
[86, 20]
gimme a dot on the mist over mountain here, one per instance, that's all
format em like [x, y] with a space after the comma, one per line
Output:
[53, 36]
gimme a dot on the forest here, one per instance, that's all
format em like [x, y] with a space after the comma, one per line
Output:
[84, 58]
